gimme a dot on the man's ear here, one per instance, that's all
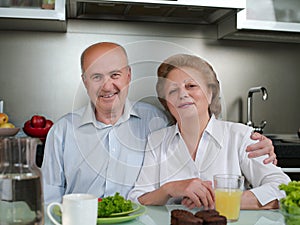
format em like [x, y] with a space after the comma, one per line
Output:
[83, 78]
[129, 72]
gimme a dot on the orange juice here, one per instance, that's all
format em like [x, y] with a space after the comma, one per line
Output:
[228, 203]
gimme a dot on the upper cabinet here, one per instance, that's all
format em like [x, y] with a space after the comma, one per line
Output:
[179, 11]
[267, 20]
[32, 15]
[36, 15]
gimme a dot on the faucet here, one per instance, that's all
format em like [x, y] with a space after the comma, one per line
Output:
[1, 106]
[263, 123]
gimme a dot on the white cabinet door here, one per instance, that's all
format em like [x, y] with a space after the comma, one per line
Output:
[267, 20]
[273, 15]
[32, 17]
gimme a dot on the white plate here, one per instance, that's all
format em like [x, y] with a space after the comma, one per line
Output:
[119, 219]
[9, 131]
[137, 211]
[135, 207]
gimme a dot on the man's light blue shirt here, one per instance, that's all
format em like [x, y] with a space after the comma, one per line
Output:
[83, 155]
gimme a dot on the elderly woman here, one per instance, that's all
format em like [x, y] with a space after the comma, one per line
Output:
[181, 160]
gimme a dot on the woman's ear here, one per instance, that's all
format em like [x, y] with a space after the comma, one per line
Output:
[209, 95]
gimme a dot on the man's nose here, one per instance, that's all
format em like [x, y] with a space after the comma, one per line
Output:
[107, 84]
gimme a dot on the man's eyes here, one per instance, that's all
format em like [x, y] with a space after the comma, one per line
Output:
[115, 75]
[96, 77]
[99, 77]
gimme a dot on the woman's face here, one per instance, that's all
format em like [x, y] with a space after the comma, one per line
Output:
[186, 94]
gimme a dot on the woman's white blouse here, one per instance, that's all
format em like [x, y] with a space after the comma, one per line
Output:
[222, 149]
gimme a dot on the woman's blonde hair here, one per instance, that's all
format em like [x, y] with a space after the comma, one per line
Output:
[205, 70]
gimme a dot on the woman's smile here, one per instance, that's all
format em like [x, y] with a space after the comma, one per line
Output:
[185, 105]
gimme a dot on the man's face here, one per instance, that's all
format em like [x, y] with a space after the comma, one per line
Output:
[106, 78]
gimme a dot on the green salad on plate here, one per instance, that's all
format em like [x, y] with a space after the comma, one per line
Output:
[113, 204]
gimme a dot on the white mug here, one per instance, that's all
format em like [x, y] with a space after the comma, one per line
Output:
[76, 209]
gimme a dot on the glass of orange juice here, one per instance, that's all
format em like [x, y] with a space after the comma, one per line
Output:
[228, 192]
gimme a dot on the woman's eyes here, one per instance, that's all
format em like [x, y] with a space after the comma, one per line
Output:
[172, 91]
[187, 86]
[191, 86]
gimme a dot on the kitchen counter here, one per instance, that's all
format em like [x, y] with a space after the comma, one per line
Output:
[287, 149]
[160, 215]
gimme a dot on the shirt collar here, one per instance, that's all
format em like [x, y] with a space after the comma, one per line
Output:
[88, 115]
[129, 111]
[211, 129]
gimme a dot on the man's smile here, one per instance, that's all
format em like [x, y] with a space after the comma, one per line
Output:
[108, 95]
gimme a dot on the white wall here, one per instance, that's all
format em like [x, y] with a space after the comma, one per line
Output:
[40, 71]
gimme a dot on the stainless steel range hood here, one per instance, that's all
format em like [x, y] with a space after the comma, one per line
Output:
[179, 11]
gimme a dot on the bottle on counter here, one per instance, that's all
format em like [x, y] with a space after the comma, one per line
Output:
[21, 196]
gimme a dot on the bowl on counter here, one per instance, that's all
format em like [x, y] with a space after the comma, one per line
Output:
[6, 132]
[291, 217]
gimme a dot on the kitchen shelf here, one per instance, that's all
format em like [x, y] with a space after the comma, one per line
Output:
[37, 19]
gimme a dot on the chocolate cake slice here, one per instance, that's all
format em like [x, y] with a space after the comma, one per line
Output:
[215, 220]
[204, 217]
[176, 214]
[206, 213]
[211, 217]
[190, 220]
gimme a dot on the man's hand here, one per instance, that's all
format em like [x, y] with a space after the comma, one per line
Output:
[249, 201]
[263, 147]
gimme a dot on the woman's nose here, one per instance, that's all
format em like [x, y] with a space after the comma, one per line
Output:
[182, 93]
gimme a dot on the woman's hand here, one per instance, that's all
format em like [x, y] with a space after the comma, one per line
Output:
[263, 147]
[195, 192]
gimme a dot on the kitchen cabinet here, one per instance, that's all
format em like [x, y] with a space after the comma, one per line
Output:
[33, 17]
[268, 20]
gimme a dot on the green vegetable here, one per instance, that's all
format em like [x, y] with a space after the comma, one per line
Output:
[292, 199]
[290, 205]
[113, 204]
